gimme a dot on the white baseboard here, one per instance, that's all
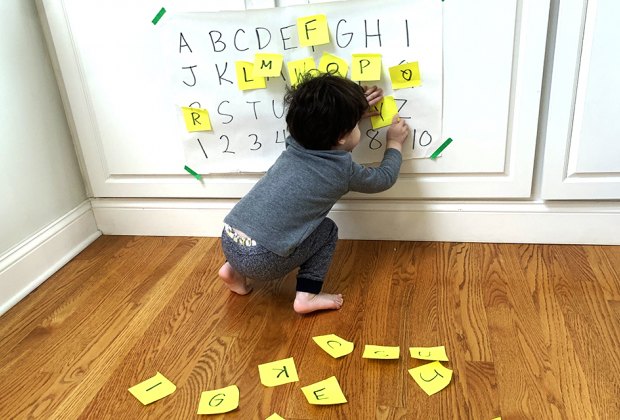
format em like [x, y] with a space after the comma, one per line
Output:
[28, 264]
[502, 222]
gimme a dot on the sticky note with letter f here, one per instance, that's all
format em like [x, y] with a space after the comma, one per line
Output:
[278, 373]
[245, 78]
[366, 67]
[153, 389]
[196, 119]
[405, 75]
[326, 392]
[387, 108]
[219, 401]
[312, 30]
[267, 65]
[334, 345]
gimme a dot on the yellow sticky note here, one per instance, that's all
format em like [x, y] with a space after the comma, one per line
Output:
[267, 65]
[429, 353]
[219, 401]
[381, 352]
[312, 30]
[153, 389]
[387, 108]
[298, 67]
[275, 416]
[245, 76]
[405, 75]
[330, 63]
[326, 392]
[366, 67]
[334, 345]
[432, 377]
[196, 119]
[278, 372]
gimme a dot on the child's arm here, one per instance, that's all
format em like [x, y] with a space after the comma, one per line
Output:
[373, 180]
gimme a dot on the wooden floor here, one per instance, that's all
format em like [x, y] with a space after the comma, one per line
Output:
[531, 331]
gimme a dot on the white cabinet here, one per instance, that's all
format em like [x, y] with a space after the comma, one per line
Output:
[582, 151]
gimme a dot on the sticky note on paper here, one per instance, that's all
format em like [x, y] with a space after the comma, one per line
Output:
[334, 345]
[326, 392]
[366, 67]
[196, 119]
[312, 30]
[299, 67]
[219, 401]
[381, 352]
[153, 389]
[429, 353]
[275, 416]
[330, 63]
[278, 373]
[432, 377]
[245, 77]
[267, 65]
[405, 75]
[387, 108]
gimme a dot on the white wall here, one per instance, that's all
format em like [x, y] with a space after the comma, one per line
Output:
[40, 178]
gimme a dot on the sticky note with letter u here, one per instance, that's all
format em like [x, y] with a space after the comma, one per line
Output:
[366, 67]
[326, 392]
[153, 389]
[196, 119]
[219, 401]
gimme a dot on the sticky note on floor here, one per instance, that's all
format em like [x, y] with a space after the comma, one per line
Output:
[387, 108]
[245, 76]
[153, 389]
[333, 64]
[219, 401]
[405, 75]
[278, 373]
[432, 377]
[298, 68]
[312, 30]
[267, 65]
[196, 119]
[381, 352]
[429, 353]
[334, 345]
[366, 67]
[326, 392]
[275, 416]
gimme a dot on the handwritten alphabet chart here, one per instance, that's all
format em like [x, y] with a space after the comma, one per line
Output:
[229, 72]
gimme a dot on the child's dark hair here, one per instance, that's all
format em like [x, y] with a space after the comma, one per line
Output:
[322, 108]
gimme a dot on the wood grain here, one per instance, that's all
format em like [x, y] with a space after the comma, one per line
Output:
[532, 331]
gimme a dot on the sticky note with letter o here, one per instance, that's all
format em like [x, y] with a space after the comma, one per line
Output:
[196, 119]
[326, 392]
[153, 389]
[312, 30]
[219, 401]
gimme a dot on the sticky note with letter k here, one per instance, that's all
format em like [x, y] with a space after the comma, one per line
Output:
[278, 373]
[334, 345]
[326, 392]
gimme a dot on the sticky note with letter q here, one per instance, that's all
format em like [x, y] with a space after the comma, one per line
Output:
[326, 392]
[196, 119]
[387, 108]
[267, 65]
[312, 30]
[245, 78]
[298, 68]
[405, 75]
[366, 67]
[278, 373]
[334, 345]
[153, 389]
[432, 377]
[219, 401]
[332, 64]
[429, 353]
[381, 352]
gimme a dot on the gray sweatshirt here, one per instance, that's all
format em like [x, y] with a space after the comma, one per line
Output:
[297, 192]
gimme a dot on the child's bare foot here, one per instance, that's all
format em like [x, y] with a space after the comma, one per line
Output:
[309, 302]
[234, 280]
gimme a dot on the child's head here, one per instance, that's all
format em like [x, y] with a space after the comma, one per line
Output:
[322, 109]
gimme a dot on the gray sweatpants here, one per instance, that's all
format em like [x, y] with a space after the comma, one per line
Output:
[313, 258]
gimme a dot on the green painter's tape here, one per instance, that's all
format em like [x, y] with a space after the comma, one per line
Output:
[440, 149]
[191, 171]
[159, 15]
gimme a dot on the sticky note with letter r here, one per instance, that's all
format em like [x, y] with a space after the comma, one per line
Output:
[312, 30]
[267, 65]
[432, 377]
[326, 392]
[278, 373]
[366, 67]
[333, 64]
[334, 345]
[381, 352]
[387, 108]
[405, 75]
[196, 119]
[153, 389]
[245, 76]
[219, 401]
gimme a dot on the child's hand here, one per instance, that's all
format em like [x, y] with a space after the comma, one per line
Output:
[373, 95]
[397, 133]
